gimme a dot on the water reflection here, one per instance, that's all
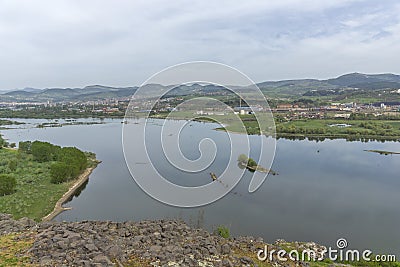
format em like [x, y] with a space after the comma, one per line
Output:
[325, 190]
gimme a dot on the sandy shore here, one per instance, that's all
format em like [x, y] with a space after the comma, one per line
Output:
[59, 208]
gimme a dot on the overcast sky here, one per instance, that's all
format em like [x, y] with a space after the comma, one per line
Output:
[74, 43]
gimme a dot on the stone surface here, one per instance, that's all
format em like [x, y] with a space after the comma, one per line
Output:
[161, 243]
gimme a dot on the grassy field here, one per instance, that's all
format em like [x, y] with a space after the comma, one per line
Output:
[312, 123]
[333, 128]
[329, 128]
[13, 249]
[35, 195]
[314, 128]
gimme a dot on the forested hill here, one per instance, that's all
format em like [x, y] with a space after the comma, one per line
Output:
[353, 83]
[94, 92]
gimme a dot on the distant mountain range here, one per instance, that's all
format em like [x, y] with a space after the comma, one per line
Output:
[301, 87]
[93, 92]
[351, 81]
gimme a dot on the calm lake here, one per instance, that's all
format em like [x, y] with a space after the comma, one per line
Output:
[324, 191]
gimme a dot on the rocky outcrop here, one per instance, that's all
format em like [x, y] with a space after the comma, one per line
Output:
[8, 225]
[150, 243]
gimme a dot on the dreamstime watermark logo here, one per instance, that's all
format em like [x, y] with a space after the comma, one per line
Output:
[339, 254]
[211, 86]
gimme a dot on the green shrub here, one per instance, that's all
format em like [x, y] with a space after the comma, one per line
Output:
[223, 231]
[70, 160]
[25, 146]
[74, 158]
[252, 163]
[59, 173]
[12, 165]
[243, 159]
[43, 151]
[3, 143]
[7, 184]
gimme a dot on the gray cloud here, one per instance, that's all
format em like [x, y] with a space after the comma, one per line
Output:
[74, 43]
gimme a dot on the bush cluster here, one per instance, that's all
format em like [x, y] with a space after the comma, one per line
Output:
[7, 184]
[249, 162]
[3, 142]
[69, 162]
[223, 231]
[299, 130]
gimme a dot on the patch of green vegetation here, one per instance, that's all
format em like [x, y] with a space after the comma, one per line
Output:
[56, 113]
[223, 231]
[135, 261]
[13, 250]
[35, 195]
[8, 122]
[355, 129]
[251, 165]
[69, 162]
[7, 184]
[57, 124]
[362, 128]
[247, 162]
[247, 124]
[3, 143]
[387, 128]
[243, 159]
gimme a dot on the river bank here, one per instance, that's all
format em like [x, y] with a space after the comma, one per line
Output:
[83, 178]
[312, 129]
[35, 195]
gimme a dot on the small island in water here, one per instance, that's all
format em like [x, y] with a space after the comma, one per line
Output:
[251, 165]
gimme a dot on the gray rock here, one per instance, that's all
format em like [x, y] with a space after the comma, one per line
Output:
[26, 222]
[114, 251]
[225, 249]
[155, 249]
[91, 247]
[227, 263]
[246, 260]
[45, 261]
[62, 245]
[97, 243]
[102, 260]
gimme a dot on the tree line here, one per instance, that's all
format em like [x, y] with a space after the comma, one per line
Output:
[68, 162]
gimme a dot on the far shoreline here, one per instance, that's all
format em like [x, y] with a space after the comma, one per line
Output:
[58, 208]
